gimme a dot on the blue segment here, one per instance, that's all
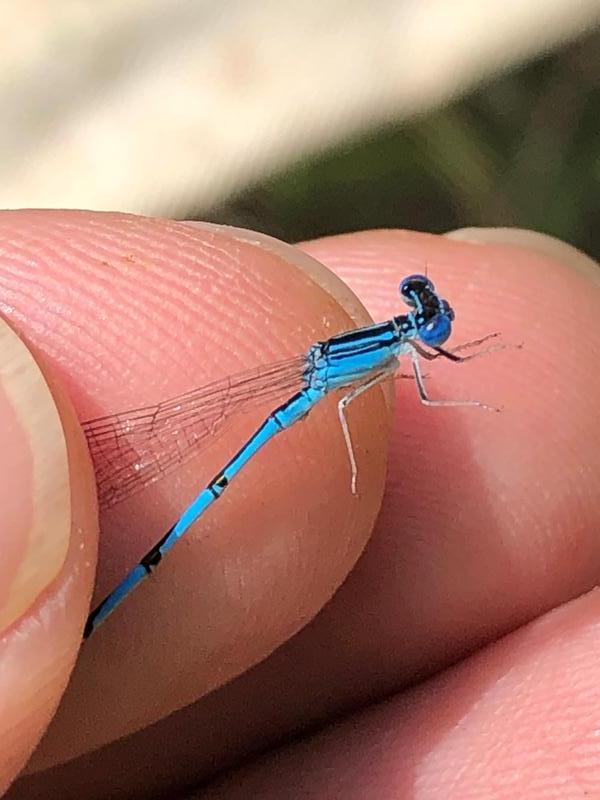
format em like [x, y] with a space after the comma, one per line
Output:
[349, 359]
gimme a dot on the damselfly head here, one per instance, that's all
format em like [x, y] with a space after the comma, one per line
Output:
[433, 315]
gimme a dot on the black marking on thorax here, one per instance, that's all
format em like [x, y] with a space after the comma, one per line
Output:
[362, 340]
[405, 325]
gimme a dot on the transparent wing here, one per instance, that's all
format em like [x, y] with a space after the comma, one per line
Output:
[133, 449]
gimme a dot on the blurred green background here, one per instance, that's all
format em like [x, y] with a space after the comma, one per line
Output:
[523, 150]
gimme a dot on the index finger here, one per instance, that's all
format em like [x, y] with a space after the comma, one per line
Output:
[132, 311]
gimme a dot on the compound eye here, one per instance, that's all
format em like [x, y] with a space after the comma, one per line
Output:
[436, 330]
[447, 310]
[415, 285]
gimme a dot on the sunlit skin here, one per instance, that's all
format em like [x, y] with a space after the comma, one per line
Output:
[467, 526]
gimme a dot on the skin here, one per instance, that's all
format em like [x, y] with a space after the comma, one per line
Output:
[481, 536]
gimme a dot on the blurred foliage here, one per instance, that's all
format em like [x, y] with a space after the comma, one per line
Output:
[523, 150]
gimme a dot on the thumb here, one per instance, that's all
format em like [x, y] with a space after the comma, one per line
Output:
[48, 546]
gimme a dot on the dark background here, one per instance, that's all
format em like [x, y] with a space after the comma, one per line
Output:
[523, 150]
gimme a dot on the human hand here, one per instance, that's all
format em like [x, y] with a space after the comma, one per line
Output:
[487, 522]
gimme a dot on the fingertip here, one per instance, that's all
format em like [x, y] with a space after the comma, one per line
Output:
[504, 519]
[148, 310]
